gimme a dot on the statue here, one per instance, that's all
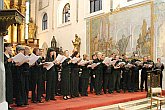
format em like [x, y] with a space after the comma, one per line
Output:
[77, 43]
[32, 29]
[54, 43]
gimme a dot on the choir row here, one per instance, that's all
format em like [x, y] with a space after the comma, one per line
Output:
[103, 73]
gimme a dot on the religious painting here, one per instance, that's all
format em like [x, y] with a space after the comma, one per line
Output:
[159, 13]
[127, 31]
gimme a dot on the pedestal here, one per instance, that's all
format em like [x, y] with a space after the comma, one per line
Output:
[3, 103]
[153, 80]
[3, 106]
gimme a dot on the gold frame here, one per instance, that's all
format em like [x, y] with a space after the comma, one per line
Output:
[151, 3]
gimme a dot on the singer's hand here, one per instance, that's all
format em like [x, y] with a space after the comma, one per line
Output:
[70, 62]
[10, 60]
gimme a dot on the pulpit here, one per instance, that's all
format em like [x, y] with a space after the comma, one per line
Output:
[7, 18]
[153, 80]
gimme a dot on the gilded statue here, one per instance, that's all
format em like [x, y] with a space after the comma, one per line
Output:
[77, 43]
[32, 29]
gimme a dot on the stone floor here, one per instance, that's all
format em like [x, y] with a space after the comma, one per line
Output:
[142, 104]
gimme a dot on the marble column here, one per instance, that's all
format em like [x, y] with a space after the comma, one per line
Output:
[3, 103]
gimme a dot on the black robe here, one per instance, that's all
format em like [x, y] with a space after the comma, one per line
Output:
[9, 80]
[98, 76]
[135, 75]
[160, 72]
[50, 84]
[74, 80]
[22, 85]
[117, 77]
[65, 78]
[84, 79]
[36, 78]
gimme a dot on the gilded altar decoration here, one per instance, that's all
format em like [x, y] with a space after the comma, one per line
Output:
[77, 43]
[122, 32]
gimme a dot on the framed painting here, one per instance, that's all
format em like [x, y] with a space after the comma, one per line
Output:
[125, 31]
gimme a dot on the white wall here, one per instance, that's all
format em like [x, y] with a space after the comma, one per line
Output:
[65, 33]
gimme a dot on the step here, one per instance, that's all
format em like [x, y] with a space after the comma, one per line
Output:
[126, 104]
[142, 104]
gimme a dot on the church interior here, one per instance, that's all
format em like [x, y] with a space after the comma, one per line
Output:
[82, 55]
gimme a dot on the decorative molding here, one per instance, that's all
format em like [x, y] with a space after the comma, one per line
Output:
[8, 17]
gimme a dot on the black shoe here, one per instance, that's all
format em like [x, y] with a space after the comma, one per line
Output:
[52, 99]
[65, 98]
[34, 101]
[10, 108]
[118, 91]
[68, 97]
[136, 91]
[97, 94]
[40, 101]
[77, 95]
[21, 105]
[110, 92]
[26, 104]
[72, 96]
[86, 95]
[47, 100]
[129, 90]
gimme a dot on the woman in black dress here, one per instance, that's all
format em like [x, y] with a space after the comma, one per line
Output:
[50, 76]
[8, 74]
[75, 76]
[65, 76]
